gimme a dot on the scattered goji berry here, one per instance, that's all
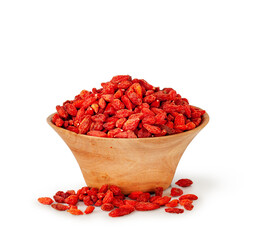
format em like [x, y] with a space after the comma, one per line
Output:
[107, 207]
[159, 191]
[89, 209]
[184, 182]
[188, 196]
[135, 195]
[174, 210]
[75, 211]
[71, 200]
[175, 192]
[146, 206]
[172, 203]
[59, 206]
[187, 204]
[121, 211]
[45, 200]
[144, 197]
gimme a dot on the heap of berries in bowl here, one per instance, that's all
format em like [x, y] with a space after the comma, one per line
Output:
[128, 108]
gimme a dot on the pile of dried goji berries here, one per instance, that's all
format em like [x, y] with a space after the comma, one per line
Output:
[110, 198]
[126, 108]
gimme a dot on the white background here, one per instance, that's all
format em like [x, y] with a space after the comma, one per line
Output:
[221, 55]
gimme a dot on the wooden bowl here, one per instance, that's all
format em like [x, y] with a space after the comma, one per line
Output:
[135, 164]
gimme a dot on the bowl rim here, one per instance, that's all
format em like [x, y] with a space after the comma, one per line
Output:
[204, 122]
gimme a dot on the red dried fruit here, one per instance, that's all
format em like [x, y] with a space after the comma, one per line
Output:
[71, 109]
[176, 192]
[131, 124]
[58, 199]
[121, 135]
[117, 104]
[134, 98]
[108, 197]
[59, 122]
[115, 189]
[98, 203]
[85, 125]
[146, 206]
[107, 207]
[144, 197]
[130, 202]
[174, 210]
[190, 126]
[162, 200]
[152, 129]
[172, 203]
[97, 133]
[87, 200]
[135, 195]
[89, 209]
[117, 202]
[123, 113]
[61, 112]
[45, 200]
[187, 204]
[75, 211]
[120, 78]
[73, 129]
[125, 84]
[188, 196]
[103, 188]
[121, 211]
[184, 182]
[60, 207]
[153, 198]
[72, 200]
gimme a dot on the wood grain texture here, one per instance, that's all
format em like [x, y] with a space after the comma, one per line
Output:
[137, 164]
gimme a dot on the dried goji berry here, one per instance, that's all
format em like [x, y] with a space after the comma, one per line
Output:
[71, 109]
[107, 207]
[87, 200]
[45, 200]
[89, 209]
[121, 211]
[130, 202]
[144, 197]
[188, 196]
[115, 189]
[97, 133]
[108, 197]
[184, 182]
[61, 112]
[131, 124]
[135, 195]
[71, 200]
[187, 204]
[59, 206]
[75, 211]
[162, 200]
[146, 206]
[172, 203]
[58, 199]
[153, 198]
[176, 192]
[174, 210]
[159, 191]
[85, 125]
[152, 129]
[117, 202]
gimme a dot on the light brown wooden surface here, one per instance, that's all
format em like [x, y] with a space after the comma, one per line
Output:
[137, 164]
